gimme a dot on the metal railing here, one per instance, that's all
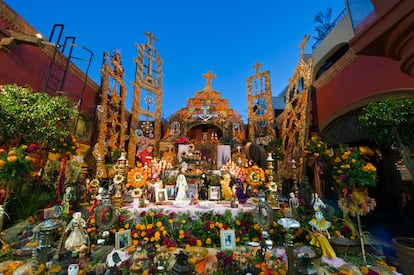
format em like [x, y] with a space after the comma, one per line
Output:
[329, 29]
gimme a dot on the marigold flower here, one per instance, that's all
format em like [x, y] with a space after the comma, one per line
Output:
[208, 241]
[11, 158]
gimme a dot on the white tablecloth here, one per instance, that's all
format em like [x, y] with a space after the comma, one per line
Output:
[218, 208]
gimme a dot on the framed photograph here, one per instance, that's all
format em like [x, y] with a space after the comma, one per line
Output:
[161, 195]
[214, 192]
[123, 239]
[191, 190]
[170, 191]
[227, 239]
[157, 184]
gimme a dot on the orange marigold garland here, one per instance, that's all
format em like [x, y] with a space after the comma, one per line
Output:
[255, 176]
[138, 177]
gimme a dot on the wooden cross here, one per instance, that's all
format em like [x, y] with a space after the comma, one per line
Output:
[151, 37]
[257, 66]
[209, 75]
[303, 44]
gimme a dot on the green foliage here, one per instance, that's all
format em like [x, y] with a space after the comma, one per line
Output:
[50, 173]
[275, 146]
[315, 147]
[351, 170]
[382, 121]
[14, 164]
[28, 202]
[35, 117]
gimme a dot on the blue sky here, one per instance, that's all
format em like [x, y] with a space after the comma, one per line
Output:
[194, 36]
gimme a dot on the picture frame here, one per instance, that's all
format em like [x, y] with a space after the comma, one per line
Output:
[123, 239]
[191, 191]
[228, 239]
[214, 192]
[161, 195]
[170, 191]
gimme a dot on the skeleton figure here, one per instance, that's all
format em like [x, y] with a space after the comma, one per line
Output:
[78, 235]
[73, 269]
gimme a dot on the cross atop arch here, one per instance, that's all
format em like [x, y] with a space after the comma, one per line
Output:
[257, 67]
[209, 76]
[303, 44]
[151, 37]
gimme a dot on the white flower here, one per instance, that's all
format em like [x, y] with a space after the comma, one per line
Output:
[118, 179]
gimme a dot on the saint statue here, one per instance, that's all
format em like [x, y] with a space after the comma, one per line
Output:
[181, 187]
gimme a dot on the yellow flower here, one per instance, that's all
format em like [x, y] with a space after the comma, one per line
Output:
[11, 158]
[208, 241]
[126, 226]
[364, 270]
[199, 243]
[192, 260]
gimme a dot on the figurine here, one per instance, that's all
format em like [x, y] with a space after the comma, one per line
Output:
[293, 204]
[181, 187]
[317, 203]
[78, 235]
[203, 187]
[73, 269]
[320, 235]
[66, 200]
